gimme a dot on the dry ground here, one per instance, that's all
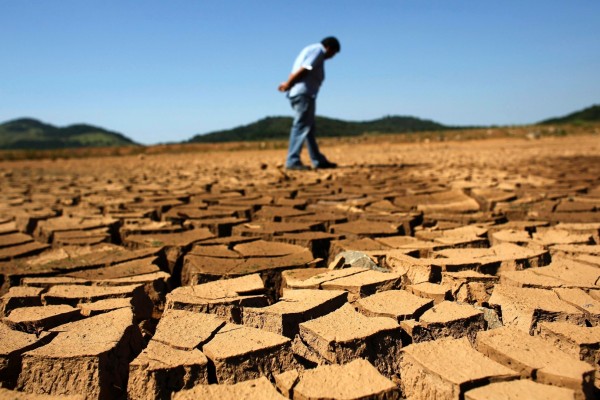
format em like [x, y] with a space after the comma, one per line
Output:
[205, 275]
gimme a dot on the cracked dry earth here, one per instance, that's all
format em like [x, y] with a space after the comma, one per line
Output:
[206, 276]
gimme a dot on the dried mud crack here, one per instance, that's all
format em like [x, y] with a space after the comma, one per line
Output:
[212, 275]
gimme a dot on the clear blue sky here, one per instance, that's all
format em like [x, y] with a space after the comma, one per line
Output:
[161, 71]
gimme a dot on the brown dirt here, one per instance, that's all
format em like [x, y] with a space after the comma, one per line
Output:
[193, 274]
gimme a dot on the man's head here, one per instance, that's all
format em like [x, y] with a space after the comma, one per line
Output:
[332, 46]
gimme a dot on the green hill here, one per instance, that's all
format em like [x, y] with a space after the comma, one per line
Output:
[590, 114]
[279, 128]
[31, 134]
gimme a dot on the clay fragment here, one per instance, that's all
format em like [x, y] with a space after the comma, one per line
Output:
[106, 305]
[268, 230]
[96, 350]
[470, 286]
[22, 250]
[583, 301]
[447, 201]
[450, 319]
[313, 278]
[357, 379]
[250, 389]
[575, 273]
[414, 332]
[36, 319]
[15, 395]
[359, 229]
[173, 360]
[519, 389]
[525, 308]
[358, 282]
[554, 236]
[20, 296]
[293, 278]
[530, 278]
[75, 294]
[317, 242]
[240, 353]
[14, 344]
[47, 229]
[446, 369]
[500, 258]
[579, 341]
[173, 244]
[187, 330]
[534, 358]
[514, 236]
[161, 370]
[419, 270]
[344, 335]
[364, 283]
[397, 304]
[224, 298]
[428, 290]
[259, 256]
[293, 308]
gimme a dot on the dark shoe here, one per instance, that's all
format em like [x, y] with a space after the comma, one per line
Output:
[298, 167]
[326, 165]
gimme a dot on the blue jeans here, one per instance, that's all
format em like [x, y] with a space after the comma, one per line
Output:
[303, 130]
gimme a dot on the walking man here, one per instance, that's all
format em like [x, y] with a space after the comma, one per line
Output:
[302, 87]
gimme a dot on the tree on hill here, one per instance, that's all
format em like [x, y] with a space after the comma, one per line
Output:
[29, 133]
[590, 114]
[279, 128]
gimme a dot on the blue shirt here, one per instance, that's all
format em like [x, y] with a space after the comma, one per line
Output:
[312, 58]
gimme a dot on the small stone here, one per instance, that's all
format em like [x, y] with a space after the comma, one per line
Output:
[356, 259]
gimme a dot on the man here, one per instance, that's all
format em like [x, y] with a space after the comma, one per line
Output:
[302, 87]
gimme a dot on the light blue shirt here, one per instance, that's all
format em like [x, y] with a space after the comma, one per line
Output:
[312, 58]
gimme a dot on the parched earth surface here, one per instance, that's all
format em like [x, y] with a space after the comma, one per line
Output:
[454, 270]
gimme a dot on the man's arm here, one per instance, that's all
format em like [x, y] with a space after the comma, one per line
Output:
[293, 78]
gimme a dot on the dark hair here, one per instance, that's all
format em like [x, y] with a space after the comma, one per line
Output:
[332, 43]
